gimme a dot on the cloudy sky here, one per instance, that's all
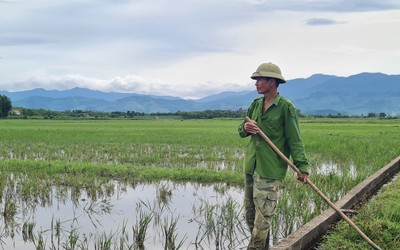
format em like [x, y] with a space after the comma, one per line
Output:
[190, 48]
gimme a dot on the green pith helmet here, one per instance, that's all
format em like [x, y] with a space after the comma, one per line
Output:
[269, 70]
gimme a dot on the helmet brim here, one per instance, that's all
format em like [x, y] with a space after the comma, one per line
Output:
[259, 74]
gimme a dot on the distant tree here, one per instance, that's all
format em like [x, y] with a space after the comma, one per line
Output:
[382, 115]
[299, 113]
[5, 106]
[370, 115]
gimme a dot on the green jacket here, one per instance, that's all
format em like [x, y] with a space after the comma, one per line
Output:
[280, 124]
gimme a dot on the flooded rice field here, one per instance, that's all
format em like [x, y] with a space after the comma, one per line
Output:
[124, 216]
[110, 214]
[58, 188]
[99, 213]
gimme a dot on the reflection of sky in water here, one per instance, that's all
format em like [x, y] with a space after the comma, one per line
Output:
[89, 218]
[330, 168]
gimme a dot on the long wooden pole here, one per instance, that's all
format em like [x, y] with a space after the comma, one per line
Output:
[315, 188]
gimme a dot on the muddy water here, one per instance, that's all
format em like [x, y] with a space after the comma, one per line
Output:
[203, 215]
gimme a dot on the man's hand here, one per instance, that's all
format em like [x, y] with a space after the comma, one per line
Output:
[302, 177]
[251, 127]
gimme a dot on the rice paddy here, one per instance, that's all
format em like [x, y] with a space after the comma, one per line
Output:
[89, 167]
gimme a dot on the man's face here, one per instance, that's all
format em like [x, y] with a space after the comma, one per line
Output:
[264, 85]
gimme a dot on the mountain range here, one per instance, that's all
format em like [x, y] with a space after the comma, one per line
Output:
[318, 94]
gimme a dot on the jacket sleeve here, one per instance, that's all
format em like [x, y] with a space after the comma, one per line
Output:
[293, 140]
[241, 130]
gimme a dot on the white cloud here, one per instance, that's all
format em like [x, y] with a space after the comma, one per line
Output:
[190, 48]
[125, 84]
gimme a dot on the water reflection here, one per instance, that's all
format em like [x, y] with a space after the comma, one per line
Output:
[164, 215]
[332, 168]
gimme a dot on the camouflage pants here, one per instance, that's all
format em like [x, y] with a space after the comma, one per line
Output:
[260, 200]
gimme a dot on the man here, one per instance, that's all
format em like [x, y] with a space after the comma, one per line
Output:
[264, 169]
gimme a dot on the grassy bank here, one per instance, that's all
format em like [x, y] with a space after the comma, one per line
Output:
[380, 219]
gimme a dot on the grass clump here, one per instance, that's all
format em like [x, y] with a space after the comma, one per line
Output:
[379, 220]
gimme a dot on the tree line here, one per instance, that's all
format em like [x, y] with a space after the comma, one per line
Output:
[5, 106]
[207, 114]
[83, 114]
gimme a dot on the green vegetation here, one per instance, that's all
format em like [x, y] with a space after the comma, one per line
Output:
[98, 115]
[380, 219]
[192, 150]
[83, 154]
[186, 150]
[26, 113]
[5, 106]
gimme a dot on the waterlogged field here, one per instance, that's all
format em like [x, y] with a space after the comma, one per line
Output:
[163, 184]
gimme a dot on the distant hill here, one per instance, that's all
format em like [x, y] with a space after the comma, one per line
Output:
[357, 94]
[318, 94]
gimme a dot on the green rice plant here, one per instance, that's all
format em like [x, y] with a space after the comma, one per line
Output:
[104, 242]
[222, 225]
[232, 214]
[27, 231]
[282, 223]
[85, 243]
[9, 210]
[140, 229]
[142, 224]
[39, 242]
[73, 238]
[56, 230]
[220, 188]
[124, 240]
[169, 230]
